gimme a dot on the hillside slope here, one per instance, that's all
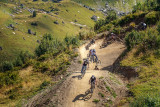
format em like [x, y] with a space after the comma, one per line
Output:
[54, 18]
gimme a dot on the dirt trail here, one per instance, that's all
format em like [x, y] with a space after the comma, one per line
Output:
[74, 92]
[78, 91]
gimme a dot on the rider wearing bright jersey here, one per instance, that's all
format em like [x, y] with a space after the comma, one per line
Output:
[84, 66]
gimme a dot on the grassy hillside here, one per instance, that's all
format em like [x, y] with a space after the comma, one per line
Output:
[13, 42]
[117, 4]
[24, 75]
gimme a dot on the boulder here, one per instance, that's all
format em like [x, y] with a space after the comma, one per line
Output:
[29, 31]
[75, 20]
[1, 48]
[63, 22]
[56, 22]
[94, 17]
[38, 41]
[24, 38]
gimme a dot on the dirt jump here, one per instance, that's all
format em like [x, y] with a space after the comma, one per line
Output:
[75, 91]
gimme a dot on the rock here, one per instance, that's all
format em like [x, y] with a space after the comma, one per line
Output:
[38, 41]
[1, 48]
[29, 31]
[22, 5]
[63, 22]
[34, 33]
[57, 13]
[56, 22]
[94, 17]
[75, 20]
[11, 25]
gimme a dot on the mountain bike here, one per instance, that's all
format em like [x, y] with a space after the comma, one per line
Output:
[83, 73]
[92, 86]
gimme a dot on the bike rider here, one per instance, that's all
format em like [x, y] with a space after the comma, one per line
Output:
[84, 66]
[94, 55]
[92, 81]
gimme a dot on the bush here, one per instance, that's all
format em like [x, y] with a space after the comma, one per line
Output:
[151, 18]
[85, 36]
[107, 27]
[6, 66]
[98, 24]
[132, 24]
[132, 39]
[49, 45]
[117, 30]
[18, 62]
[146, 40]
[44, 84]
[130, 18]
[9, 78]
[158, 27]
[111, 17]
[69, 40]
[147, 101]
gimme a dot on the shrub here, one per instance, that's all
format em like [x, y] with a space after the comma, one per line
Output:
[148, 39]
[130, 18]
[132, 24]
[107, 27]
[158, 27]
[49, 45]
[6, 66]
[117, 30]
[151, 18]
[147, 101]
[95, 100]
[98, 24]
[112, 15]
[25, 56]
[9, 78]
[18, 62]
[69, 40]
[132, 39]
[85, 36]
[44, 84]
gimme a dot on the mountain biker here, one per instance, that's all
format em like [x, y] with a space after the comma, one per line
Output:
[92, 80]
[93, 41]
[84, 66]
[94, 55]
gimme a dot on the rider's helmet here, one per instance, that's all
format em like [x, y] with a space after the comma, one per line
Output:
[93, 76]
[94, 50]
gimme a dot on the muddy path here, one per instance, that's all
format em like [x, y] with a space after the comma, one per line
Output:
[74, 91]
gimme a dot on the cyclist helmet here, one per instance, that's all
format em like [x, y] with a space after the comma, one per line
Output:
[93, 76]
[94, 50]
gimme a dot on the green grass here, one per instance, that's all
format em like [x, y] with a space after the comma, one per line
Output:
[12, 44]
[95, 100]
[113, 3]
[101, 94]
[108, 88]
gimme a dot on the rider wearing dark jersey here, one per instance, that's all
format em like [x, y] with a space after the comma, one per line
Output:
[92, 79]
[84, 66]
